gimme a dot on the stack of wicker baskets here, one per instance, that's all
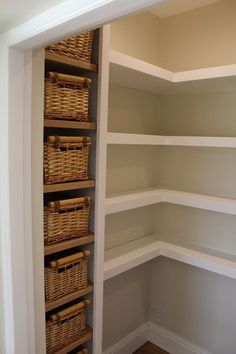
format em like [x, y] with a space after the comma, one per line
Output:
[66, 158]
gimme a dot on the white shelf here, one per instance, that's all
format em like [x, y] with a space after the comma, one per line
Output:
[135, 199]
[122, 258]
[116, 203]
[159, 140]
[134, 73]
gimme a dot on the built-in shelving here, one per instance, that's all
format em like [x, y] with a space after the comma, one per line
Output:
[135, 199]
[65, 245]
[134, 73]
[122, 258]
[50, 188]
[66, 61]
[160, 140]
[69, 124]
[68, 298]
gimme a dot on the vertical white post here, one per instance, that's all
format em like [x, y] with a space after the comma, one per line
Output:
[103, 82]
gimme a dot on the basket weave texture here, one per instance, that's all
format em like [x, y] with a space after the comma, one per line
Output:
[66, 326]
[77, 47]
[66, 97]
[66, 219]
[66, 275]
[66, 159]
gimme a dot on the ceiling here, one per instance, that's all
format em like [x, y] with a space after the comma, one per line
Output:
[15, 12]
[175, 7]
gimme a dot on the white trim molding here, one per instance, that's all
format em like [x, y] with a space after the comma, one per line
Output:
[131, 342]
[172, 342]
[157, 335]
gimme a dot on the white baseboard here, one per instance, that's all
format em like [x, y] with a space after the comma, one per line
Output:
[171, 342]
[157, 335]
[131, 342]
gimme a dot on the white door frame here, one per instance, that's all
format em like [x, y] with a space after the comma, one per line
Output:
[16, 45]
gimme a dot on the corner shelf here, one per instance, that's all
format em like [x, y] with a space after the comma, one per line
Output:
[69, 124]
[139, 198]
[58, 187]
[160, 140]
[140, 75]
[65, 245]
[70, 61]
[132, 254]
[68, 298]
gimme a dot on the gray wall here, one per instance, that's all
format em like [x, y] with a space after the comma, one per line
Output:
[195, 304]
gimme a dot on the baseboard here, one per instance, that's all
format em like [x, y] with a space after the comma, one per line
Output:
[171, 342]
[131, 342]
[159, 336]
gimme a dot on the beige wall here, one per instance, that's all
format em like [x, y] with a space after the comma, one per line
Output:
[125, 304]
[200, 38]
[195, 304]
[133, 111]
[124, 34]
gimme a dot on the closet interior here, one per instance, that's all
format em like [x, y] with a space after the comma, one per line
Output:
[161, 179]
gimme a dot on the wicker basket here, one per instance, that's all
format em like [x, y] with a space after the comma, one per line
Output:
[66, 158]
[66, 219]
[66, 275]
[66, 326]
[66, 97]
[77, 47]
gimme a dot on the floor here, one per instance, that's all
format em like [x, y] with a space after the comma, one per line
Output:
[150, 348]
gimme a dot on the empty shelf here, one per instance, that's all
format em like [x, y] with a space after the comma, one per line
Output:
[140, 75]
[135, 199]
[160, 140]
[125, 257]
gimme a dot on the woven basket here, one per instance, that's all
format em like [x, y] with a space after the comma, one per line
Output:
[66, 219]
[66, 158]
[66, 97]
[77, 47]
[66, 275]
[66, 326]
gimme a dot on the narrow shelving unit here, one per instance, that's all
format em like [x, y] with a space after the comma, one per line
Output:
[67, 249]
